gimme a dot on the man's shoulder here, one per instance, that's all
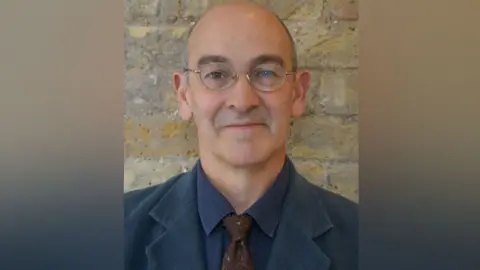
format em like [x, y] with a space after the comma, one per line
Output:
[341, 211]
[140, 201]
[340, 241]
[336, 203]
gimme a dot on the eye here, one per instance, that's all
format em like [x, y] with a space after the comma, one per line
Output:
[264, 73]
[215, 75]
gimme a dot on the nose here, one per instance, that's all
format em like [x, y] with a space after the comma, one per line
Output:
[243, 97]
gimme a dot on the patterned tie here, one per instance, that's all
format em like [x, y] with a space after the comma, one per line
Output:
[237, 256]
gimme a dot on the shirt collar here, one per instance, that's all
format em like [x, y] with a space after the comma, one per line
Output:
[266, 212]
[212, 205]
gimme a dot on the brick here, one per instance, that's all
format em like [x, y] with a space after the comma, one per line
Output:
[128, 179]
[343, 179]
[148, 92]
[150, 12]
[297, 10]
[192, 9]
[159, 136]
[321, 45]
[216, 2]
[323, 138]
[153, 172]
[345, 9]
[312, 170]
[285, 9]
[154, 48]
[152, 54]
[333, 93]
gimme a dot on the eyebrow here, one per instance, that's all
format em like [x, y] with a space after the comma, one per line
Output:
[207, 59]
[261, 59]
[267, 58]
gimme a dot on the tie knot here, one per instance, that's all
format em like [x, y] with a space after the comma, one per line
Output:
[237, 226]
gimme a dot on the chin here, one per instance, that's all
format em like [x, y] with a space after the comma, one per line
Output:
[244, 156]
[243, 161]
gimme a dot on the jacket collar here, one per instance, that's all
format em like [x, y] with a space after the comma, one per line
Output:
[178, 243]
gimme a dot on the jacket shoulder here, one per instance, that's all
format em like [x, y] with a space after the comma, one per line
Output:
[142, 200]
[342, 211]
[339, 208]
[341, 241]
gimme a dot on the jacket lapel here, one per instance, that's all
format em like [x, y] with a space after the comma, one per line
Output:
[304, 219]
[177, 243]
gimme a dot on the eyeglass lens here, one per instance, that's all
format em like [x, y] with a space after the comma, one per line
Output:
[218, 76]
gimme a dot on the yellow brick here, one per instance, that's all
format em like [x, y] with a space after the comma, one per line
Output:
[140, 31]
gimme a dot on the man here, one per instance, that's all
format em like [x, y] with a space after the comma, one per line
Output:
[243, 205]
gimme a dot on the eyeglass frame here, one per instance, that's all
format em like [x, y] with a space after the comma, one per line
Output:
[236, 76]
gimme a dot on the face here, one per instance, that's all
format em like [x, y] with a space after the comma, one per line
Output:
[239, 88]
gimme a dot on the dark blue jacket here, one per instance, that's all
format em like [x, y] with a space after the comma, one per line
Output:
[318, 229]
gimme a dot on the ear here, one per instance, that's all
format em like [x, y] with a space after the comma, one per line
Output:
[181, 87]
[301, 87]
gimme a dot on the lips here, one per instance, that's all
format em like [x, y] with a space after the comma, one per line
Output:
[244, 125]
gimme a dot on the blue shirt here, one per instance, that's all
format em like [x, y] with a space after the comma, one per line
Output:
[266, 213]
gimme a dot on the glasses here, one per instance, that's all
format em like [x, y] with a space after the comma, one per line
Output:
[220, 76]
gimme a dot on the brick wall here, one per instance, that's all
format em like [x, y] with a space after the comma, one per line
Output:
[323, 144]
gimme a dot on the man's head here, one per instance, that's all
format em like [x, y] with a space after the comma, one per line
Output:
[241, 86]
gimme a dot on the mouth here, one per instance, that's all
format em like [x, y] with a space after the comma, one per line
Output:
[245, 125]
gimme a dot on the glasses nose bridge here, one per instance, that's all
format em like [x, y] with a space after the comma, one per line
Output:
[248, 77]
[236, 76]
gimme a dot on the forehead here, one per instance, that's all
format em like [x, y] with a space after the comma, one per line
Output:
[239, 37]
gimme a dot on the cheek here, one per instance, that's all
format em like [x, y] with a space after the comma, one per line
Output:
[280, 107]
[206, 105]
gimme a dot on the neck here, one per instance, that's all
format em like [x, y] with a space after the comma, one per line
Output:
[242, 186]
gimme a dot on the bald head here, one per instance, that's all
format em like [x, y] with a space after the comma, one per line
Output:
[242, 93]
[244, 19]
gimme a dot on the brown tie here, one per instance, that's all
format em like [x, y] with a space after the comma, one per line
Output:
[237, 256]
